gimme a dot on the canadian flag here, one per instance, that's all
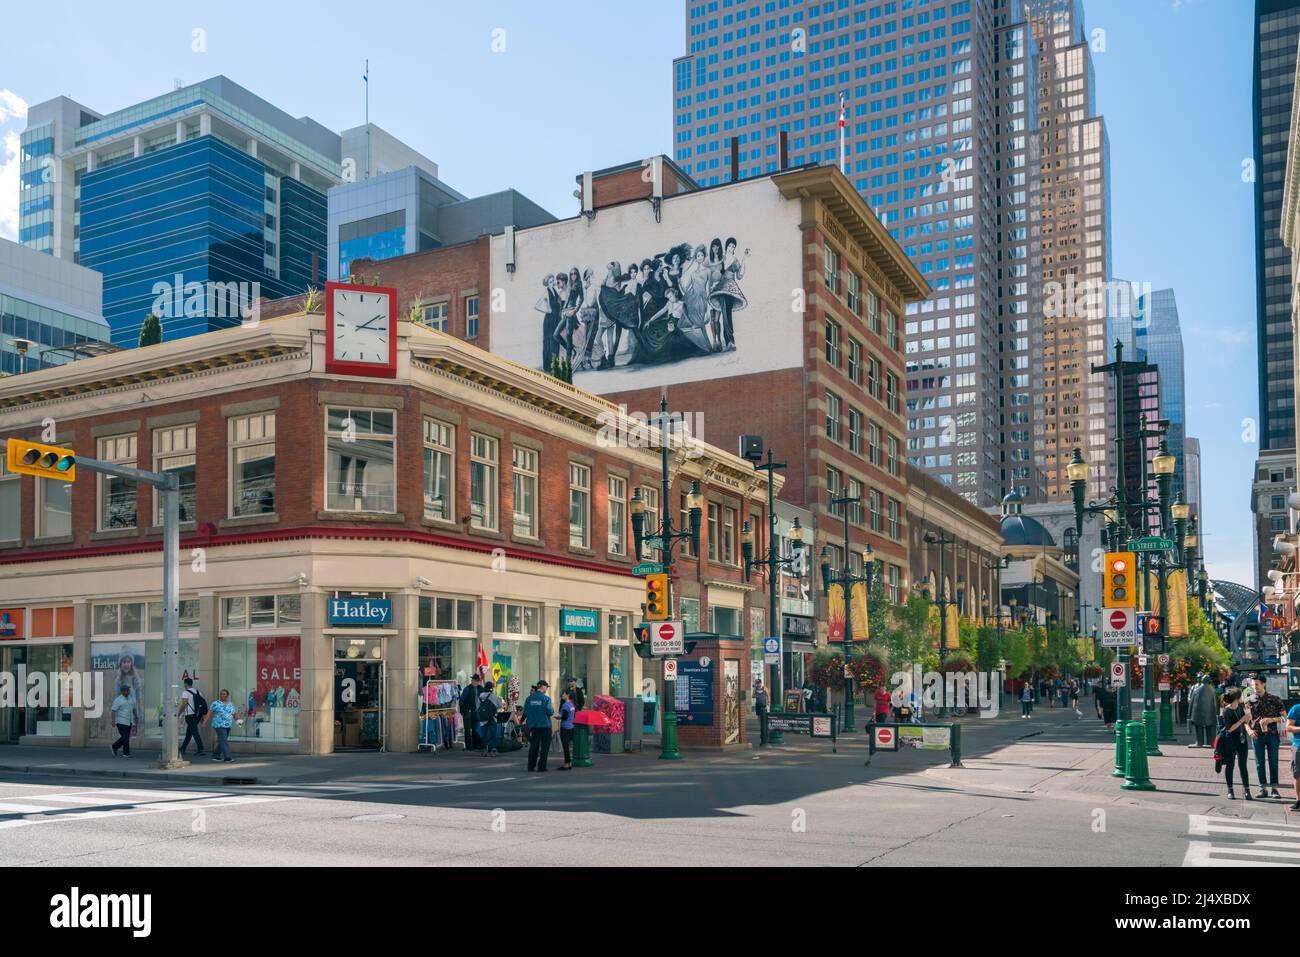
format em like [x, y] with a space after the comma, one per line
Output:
[844, 112]
[482, 663]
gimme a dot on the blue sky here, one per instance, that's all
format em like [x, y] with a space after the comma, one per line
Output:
[528, 94]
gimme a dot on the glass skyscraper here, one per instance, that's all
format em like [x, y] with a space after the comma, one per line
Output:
[1277, 33]
[1159, 340]
[49, 305]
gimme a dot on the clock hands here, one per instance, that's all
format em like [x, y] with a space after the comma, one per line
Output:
[366, 325]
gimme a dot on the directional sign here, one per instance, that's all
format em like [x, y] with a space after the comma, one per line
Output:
[1151, 543]
[670, 669]
[652, 542]
[1118, 629]
[648, 568]
[1118, 674]
[666, 638]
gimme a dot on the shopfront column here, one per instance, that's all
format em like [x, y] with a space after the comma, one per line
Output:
[402, 674]
[316, 723]
[551, 647]
[602, 656]
[210, 678]
[81, 664]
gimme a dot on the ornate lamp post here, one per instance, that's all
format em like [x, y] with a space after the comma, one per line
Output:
[695, 510]
[774, 563]
[846, 579]
[1180, 511]
[1164, 464]
[941, 540]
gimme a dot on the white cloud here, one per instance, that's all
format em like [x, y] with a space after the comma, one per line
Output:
[12, 106]
[9, 143]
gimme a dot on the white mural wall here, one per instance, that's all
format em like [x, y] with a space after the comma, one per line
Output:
[708, 292]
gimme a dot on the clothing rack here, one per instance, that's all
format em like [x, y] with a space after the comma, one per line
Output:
[440, 719]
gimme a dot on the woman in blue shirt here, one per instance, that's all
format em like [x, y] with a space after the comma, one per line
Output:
[567, 711]
[222, 715]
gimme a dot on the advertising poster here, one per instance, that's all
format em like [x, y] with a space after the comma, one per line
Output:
[121, 663]
[860, 622]
[835, 613]
[11, 623]
[925, 737]
[695, 693]
[279, 674]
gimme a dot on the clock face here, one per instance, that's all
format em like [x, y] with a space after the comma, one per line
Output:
[362, 329]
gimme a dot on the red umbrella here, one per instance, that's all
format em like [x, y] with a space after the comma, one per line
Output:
[594, 719]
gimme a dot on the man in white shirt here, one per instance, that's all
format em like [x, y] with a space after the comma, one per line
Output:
[190, 713]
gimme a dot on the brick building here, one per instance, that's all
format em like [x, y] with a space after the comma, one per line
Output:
[344, 529]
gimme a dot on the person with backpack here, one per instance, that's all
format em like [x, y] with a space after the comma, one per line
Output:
[194, 708]
[488, 706]
[1231, 745]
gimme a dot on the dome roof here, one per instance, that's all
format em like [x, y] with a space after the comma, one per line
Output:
[1020, 529]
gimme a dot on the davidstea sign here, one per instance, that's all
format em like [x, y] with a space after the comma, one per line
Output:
[361, 611]
[579, 621]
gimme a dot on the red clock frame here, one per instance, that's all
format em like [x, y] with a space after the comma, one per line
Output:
[372, 369]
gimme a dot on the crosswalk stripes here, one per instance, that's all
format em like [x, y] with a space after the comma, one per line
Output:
[1229, 842]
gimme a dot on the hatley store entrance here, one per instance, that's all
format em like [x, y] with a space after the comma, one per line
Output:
[358, 694]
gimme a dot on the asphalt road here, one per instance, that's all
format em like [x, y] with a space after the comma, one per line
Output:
[799, 806]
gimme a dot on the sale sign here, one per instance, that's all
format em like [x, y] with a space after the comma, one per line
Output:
[279, 673]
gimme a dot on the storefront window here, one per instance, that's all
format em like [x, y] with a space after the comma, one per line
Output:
[138, 664]
[724, 621]
[261, 611]
[690, 610]
[447, 614]
[451, 659]
[619, 676]
[575, 660]
[514, 619]
[134, 618]
[517, 664]
[264, 678]
[54, 718]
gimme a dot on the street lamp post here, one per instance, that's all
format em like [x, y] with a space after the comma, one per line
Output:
[846, 580]
[941, 540]
[774, 563]
[1164, 464]
[669, 750]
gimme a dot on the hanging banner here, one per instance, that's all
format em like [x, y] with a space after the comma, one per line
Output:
[835, 613]
[1176, 616]
[951, 632]
[860, 621]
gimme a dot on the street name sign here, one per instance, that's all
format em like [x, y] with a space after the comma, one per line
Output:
[666, 638]
[1150, 543]
[648, 568]
[652, 542]
[1118, 628]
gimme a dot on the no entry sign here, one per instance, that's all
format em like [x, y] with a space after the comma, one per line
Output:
[666, 638]
[886, 739]
[1118, 628]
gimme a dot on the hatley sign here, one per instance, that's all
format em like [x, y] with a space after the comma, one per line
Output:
[361, 611]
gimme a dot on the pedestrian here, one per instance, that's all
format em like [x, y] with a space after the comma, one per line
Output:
[567, 710]
[1293, 726]
[884, 702]
[576, 693]
[807, 689]
[193, 709]
[1232, 745]
[1203, 711]
[222, 716]
[1026, 700]
[488, 706]
[1074, 697]
[760, 708]
[538, 711]
[1265, 730]
[469, 712]
[123, 708]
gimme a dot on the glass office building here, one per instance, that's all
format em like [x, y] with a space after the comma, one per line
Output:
[46, 307]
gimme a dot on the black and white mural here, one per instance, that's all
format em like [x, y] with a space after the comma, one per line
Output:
[676, 304]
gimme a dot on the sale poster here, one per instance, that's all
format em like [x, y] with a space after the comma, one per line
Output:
[279, 674]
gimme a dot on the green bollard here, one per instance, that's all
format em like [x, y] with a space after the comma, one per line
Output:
[1136, 778]
[955, 746]
[581, 746]
[1149, 732]
[1166, 719]
[1120, 750]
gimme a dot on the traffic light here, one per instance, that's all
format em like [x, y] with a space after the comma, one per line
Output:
[656, 597]
[45, 461]
[1155, 626]
[1118, 581]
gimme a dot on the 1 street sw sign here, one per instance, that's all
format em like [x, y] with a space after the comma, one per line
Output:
[1118, 629]
[652, 542]
[648, 568]
[1151, 543]
[1118, 674]
[666, 638]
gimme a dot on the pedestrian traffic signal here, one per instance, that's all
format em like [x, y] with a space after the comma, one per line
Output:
[1155, 626]
[1117, 581]
[656, 597]
[45, 461]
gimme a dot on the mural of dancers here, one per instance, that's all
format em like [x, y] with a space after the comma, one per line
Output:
[675, 305]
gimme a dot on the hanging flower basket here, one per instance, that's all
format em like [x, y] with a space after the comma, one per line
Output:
[1092, 671]
[869, 670]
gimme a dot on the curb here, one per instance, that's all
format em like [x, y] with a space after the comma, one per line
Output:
[209, 780]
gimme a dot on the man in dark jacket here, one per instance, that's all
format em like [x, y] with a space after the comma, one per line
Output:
[760, 708]
[469, 713]
[538, 711]
[579, 699]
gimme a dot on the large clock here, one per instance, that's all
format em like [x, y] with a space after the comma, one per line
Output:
[360, 330]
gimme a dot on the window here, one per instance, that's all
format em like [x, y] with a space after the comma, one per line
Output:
[579, 506]
[252, 464]
[892, 455]
[873, 502]
[482, 481]
[174, 451]
[855, 361]
[832, 269]
[471, 317]
[833, 411]
[715, 530]
[834, 488]
[617, 503]
[873, 377]
[729, 521]
[684, 524]
[833, 343]
[724, 621]
[261, 611]
[447, 614]
[117, 495]
[10, 505]
[891, 331]
[434, 315]
[525, 491]
[855, 431]
[873, 444]
[439, 470]
[894, 530]
[512, 619]
[854, 491]
[359, 455]
[873, 312]
[653, 524]
[855, 292]
[891, 392]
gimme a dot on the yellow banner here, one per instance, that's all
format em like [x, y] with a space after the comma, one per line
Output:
[835, 613]
[860, 622]
[951, 640]
[1176, 588]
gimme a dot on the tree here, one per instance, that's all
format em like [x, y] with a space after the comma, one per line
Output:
[561, 369]
[150, 331]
